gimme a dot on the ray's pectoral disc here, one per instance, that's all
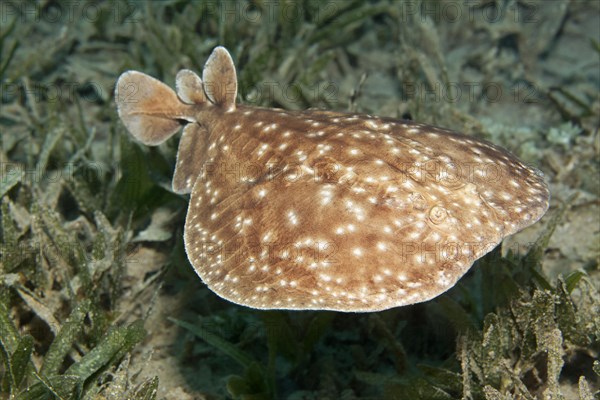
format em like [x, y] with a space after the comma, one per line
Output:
[327, 210]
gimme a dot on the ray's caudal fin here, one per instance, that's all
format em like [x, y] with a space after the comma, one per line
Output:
[152, 112]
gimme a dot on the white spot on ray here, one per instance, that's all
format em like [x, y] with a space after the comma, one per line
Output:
[292, 217]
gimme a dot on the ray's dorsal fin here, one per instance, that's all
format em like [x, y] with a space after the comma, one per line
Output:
[220, 80]
[150, 110]
[189, 87]
[190, 156]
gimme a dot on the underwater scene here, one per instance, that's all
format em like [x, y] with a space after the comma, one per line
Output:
[299, 199]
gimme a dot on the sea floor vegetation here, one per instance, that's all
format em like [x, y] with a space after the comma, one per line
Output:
[97, 298]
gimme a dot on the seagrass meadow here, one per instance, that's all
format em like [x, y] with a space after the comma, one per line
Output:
[97, 297]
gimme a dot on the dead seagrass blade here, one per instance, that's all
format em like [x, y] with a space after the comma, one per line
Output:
[326, 210]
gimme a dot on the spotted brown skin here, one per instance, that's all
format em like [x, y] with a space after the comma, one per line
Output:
[327, 210]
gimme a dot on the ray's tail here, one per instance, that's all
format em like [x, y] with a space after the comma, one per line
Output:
[153, 112]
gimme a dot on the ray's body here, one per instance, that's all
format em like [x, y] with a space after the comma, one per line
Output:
[326, 210]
